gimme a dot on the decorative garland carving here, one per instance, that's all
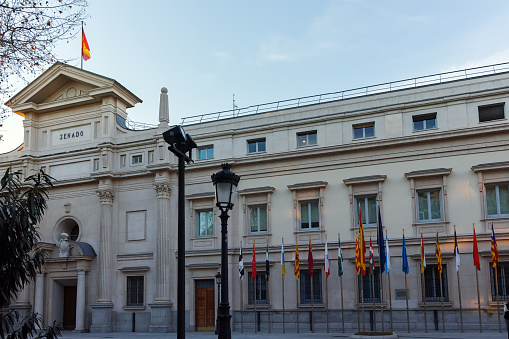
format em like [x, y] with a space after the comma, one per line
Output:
[162, 190]
[106, 196]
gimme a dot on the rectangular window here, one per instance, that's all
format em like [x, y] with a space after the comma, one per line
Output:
[497, 200]
[491, 112]
[426, 121]
[262, 297]
[135, 291]
[206, 152]
[122, 160]
[503, 281]
[367, 205]
[205, 223]
[364, 131]
[96, 164]
[150, 156]
[306, 138]
[305, 287]
[254, 146]
[366, 287]
[309, 214]
[429, 205]
[137, 159]
[432, 282]
[258, 219]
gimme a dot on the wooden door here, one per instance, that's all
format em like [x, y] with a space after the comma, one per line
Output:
[69, 321]
[205, 305]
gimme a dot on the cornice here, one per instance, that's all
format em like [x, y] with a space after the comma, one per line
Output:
[428, 173]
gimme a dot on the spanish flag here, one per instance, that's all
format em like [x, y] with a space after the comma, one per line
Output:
[85, 50]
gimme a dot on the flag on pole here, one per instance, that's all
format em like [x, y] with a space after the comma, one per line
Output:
[494, 248]
[357, 256]
[387, 255]
[267, 264]
[340, 261]
[327, 268]
[253, 264]
[283, 268]
[438, 254]
[423, 256]
[362, 246]
[405, 268]
[85, 50]
[380, 241]
[475, 253]
[371, 259]
[241, 265]
[310, 260]
[456, 252]
[296, 270]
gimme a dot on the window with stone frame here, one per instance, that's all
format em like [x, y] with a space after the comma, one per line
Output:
[256, 203]
[428, 189]
[493, 179]
[307, 138]
[366, 287]
[502, 280]
[309, 214]
[305, 286]
[308, 208]
[258, 218]
[135, 291]
[368, 207]
[204, 219]
[497, 200]
[432, 283]
[205, 223]
[262, 292]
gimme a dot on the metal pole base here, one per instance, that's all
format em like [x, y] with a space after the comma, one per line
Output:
[223, 318]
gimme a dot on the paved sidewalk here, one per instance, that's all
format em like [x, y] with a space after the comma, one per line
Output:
[263, 335]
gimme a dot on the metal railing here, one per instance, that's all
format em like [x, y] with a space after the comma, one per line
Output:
[351, 93]
[138, 126]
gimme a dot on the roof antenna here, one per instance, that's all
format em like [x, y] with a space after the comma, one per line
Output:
[234, 106]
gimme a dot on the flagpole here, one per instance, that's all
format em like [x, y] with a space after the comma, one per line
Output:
[477, 279]
[406, 295]
[283, 284]
[312, 301]
[372, 269]
[381, 299]
[268, 287]
[441, 290]
[255, 288]
[358, 304]
[458, 274]
[424, 284]
[297, 291]
[327, 287]
[389, 280]
[241, 299]
[81, 56]
[362, 301]
[341, 287]
[498, 307]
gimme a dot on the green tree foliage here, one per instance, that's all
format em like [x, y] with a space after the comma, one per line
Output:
[22, 205]
[29, 32]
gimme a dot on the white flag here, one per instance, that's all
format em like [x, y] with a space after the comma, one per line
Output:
[387, 256]
[241, 265]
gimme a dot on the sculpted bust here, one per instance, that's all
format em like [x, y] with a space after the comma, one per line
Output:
[63, 245]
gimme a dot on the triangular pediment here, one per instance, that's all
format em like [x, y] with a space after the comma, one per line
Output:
[63, 86]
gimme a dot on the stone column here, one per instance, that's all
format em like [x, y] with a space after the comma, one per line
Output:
[160, 320]
[39, 295]
[22, 304]
[101, 311]
[80, 303]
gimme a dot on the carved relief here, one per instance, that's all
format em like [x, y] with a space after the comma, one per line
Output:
[106, 196]
[162, 190]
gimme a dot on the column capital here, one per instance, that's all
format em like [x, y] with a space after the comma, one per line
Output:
[106, 196]
[162, 190]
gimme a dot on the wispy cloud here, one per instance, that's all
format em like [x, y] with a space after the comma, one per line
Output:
[223, 56]
[496, 58]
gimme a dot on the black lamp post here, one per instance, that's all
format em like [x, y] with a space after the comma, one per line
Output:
[218, 282]
[224, 182]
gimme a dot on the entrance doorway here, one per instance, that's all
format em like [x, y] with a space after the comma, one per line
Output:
[69, 316]
[205, 305]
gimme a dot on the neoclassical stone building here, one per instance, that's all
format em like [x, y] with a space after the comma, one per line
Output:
[431, 153]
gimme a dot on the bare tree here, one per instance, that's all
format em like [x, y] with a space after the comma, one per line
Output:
[29, 32]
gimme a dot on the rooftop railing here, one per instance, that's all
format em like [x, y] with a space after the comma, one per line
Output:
[351, 93]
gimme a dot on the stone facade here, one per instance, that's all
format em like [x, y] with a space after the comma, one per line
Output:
[430, 157]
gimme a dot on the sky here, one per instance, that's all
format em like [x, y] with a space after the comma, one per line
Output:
[204, 51]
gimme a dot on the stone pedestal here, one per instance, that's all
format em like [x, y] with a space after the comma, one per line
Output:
[160, 317]
[101, 318]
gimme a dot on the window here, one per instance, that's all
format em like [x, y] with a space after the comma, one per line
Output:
[137, 159]
[427, 121]
[309, 214]
[429, 205]
[262, 297]
[96, 164]
[432, 282]
[206, 152]
[364, 131]
[497, 200]
[135, 291]
[258, 219]
[254, 146]
[305, 287]
[503, 281]
[306, 138]
[366, 287]
[205, 223]
[367, 205]
[491, 112]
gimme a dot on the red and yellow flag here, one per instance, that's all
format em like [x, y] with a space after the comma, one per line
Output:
[494, 249]
[438, 254]
[475, 253]
[362, 246]
[85, 50]
[296, 270]
[423, 256]
[357, 255]
[310, 259]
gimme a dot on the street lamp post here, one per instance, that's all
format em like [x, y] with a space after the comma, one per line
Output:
[224, 182]
[218, 282]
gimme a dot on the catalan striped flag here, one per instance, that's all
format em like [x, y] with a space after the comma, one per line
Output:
[362, 246]
[494, 249]
[296, 270]
[423, 256]
[438, 254]
[357, 256]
